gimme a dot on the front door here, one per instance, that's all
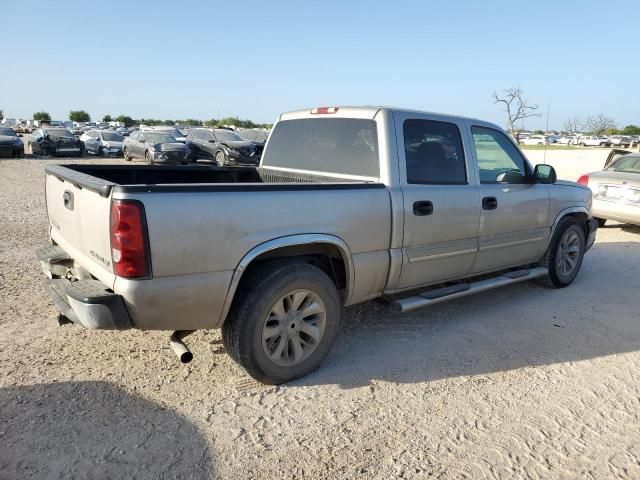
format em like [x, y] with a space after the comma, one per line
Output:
[515, 210]
[441, 202]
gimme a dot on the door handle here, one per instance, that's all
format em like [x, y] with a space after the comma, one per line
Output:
[489, 203]
[422, 208]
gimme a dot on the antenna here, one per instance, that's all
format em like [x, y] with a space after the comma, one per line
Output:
[544, 157]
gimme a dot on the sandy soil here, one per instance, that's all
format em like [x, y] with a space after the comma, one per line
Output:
[523, 382]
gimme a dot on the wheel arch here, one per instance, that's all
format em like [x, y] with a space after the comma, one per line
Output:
[580, 213]
[307, 247]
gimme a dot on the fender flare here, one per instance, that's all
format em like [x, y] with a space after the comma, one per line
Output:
[560, 216]
[283, 242]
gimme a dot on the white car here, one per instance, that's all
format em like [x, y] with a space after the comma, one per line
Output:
[535, 140]
[593, 141]
[620, 141]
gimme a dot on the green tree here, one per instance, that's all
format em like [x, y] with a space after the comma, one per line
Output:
[193, 122]
[128, 121]
[107, 118]
[42, 116]
[631, 130]
[211, 123]
[79, 116]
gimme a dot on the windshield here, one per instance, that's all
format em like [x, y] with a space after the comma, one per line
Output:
[174, 132]
[112, 137]
[8, 132]
[626, 164]
[154, 137]
[227, 136]
[58, 132]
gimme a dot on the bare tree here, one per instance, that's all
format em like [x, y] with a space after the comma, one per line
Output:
[516, 108]
[573, 125]
[599, 124]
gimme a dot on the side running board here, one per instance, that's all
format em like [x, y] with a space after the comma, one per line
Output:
[431, 297]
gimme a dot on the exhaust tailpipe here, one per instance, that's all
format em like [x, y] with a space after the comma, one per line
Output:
[178, 346]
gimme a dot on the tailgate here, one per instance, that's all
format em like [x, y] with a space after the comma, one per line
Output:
[79, 220]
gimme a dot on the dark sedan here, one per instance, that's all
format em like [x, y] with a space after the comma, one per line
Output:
[10, 143]
[223, 146]
[55, 141]
[155, 147]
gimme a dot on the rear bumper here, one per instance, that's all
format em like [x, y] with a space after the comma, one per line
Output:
[618, 211]
[85, 302]
[592, 228]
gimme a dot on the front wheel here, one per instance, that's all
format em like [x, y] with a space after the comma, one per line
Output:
[125, 154]
[220, 159]
[284, 321]
[564, 255]
[148, 158]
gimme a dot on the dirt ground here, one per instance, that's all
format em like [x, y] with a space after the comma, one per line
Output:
[522, 382]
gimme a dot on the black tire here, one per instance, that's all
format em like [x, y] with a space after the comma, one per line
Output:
[220, 159]
[582, 145]
[148, 158]
[601, 222]
[125, 154]
[250, 314]
[556, 278]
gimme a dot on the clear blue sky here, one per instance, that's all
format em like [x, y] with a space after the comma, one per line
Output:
[183, 59]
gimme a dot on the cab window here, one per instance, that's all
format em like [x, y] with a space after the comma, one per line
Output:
[433, 153]
[499, 161]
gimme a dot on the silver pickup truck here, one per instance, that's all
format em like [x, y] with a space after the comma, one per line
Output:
[348, 205]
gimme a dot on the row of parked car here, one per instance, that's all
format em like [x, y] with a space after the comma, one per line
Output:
[153, 144]
[581, 140]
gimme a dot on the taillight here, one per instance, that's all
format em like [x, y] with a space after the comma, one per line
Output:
[323, 110]
[129, 244]
[584, 180]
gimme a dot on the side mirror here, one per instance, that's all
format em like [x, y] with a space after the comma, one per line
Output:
[212, 141]
[544, 174]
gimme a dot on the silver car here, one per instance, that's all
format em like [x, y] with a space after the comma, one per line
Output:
[102, 142]
[616, 189]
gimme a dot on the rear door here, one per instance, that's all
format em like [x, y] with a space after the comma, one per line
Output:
[441, 203]
[515, 211]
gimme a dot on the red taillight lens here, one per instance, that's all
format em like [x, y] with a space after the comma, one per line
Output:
[129, 246]
[584, 180]
[324, 110]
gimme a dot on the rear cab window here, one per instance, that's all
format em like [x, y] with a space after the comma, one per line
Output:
[345, 146]
[434, 153]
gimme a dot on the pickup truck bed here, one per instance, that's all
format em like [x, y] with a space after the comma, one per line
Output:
[127, 178]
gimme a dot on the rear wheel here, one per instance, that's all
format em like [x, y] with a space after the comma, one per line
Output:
[220, 159]
[564, 255]
[582, 145]
[284, 321]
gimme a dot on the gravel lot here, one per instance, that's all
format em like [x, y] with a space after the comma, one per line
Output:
[522, 382]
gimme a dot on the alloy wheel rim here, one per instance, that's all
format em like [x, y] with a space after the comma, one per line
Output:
[568, 253]
[294, 327]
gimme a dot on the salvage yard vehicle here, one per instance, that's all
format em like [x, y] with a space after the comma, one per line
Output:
[593, 141]
[257, 136]
[155, 147]
[535, 140]
[616, 189]
[348, 204]
[223, 146]
[55, 141]
[103, 142]
[10, 143]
